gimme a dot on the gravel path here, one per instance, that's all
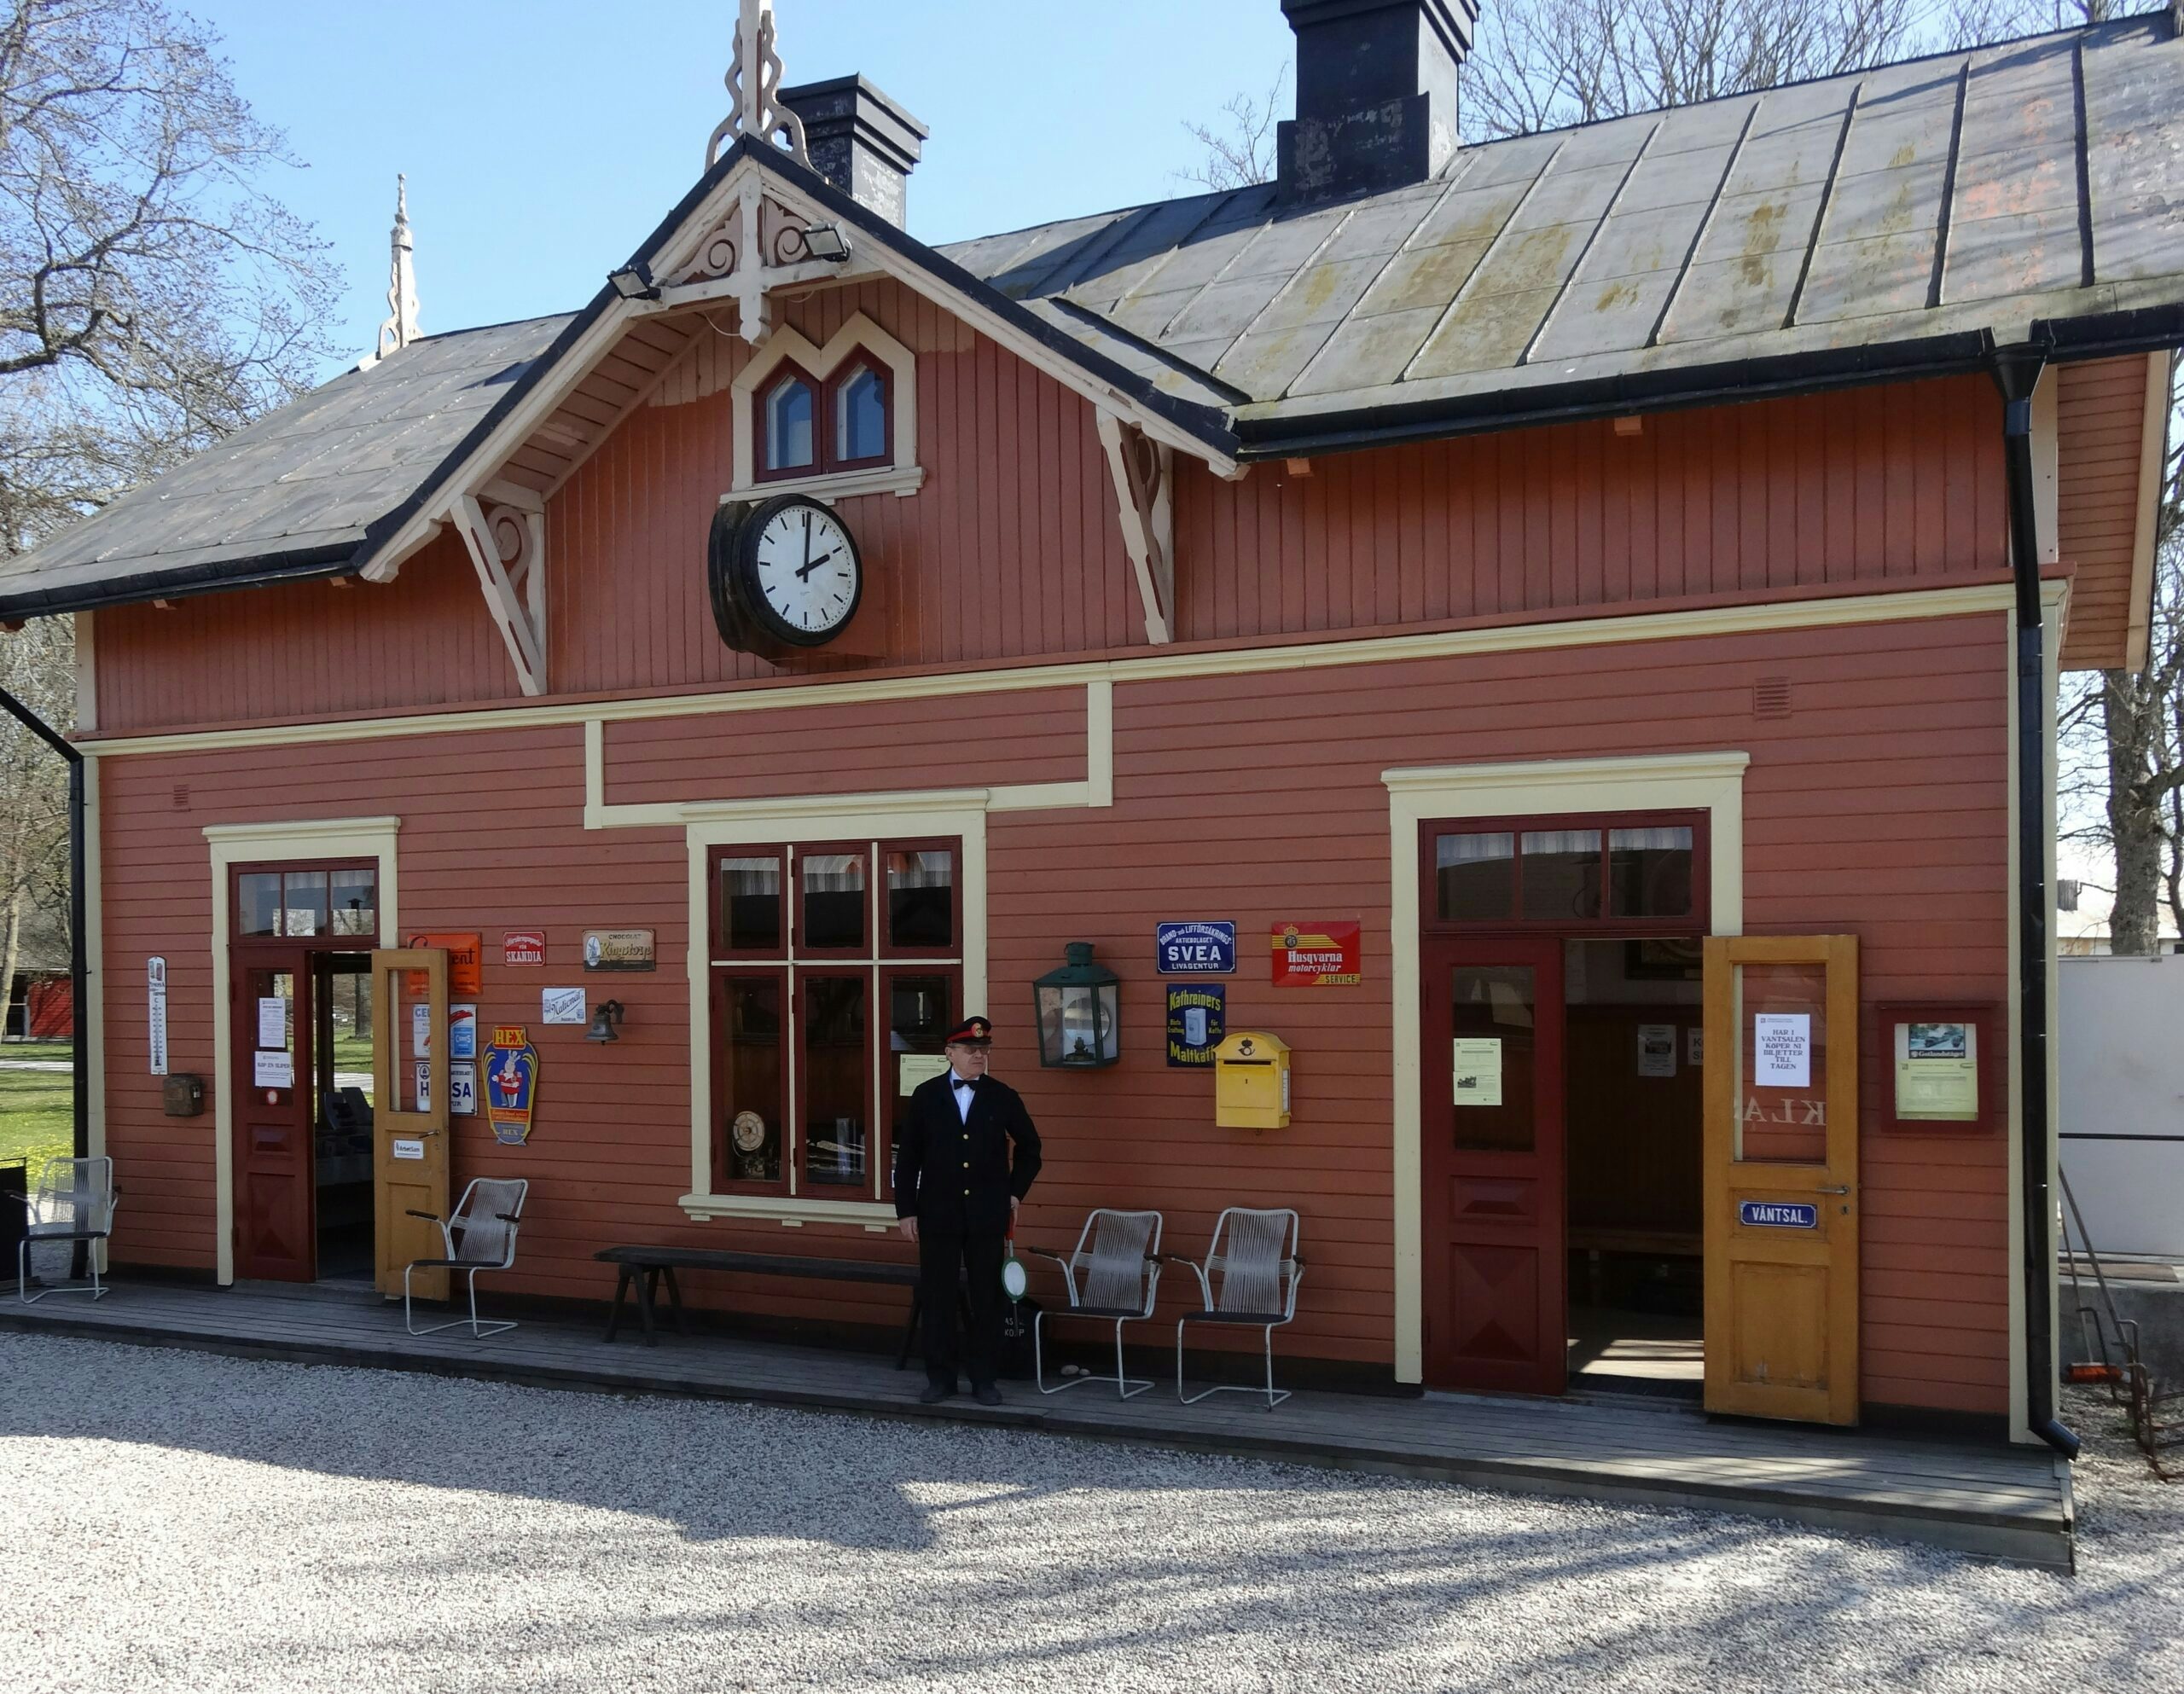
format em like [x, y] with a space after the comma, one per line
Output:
[186, 1522]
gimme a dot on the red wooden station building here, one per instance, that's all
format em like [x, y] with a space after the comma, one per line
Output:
[1562, 633]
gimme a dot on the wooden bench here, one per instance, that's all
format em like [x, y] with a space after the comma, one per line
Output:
[1651, 1244]
[641, 1268]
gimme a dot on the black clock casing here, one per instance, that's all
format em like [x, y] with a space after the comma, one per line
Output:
[741, 611]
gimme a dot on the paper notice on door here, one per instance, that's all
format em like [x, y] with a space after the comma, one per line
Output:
[1478, 1071]
[409, 1150]
[914, 1068]
[273, 1071]
[1657, 1049]
[1781, 1046]
[273, 1022]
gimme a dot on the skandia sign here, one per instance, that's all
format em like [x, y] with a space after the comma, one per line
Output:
[1195, 950]
[1778, 1214]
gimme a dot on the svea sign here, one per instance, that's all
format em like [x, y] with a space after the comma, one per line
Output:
[1195, 948]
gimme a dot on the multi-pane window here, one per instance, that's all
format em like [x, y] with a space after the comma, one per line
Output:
[837, 967]
[298, 903]
[806, 427]
[1627, 874]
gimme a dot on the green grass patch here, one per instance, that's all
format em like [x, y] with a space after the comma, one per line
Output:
[37, 1119]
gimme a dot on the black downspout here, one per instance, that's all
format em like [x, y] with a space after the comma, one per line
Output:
[2017, 373]
[77, 971]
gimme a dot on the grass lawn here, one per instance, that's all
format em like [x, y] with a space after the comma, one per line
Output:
[37, 1120]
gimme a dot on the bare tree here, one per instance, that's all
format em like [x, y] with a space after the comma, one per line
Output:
[35, 666]
[1239, 152]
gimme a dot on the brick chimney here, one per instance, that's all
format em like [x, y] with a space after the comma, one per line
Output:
[860, 140]
[1376, 95]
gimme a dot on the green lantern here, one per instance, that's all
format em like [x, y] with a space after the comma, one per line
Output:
[1078, 1009]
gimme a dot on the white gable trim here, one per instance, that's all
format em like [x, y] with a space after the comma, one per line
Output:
[860, 334]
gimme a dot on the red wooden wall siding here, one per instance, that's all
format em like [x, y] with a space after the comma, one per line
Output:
[1852, 824]
[2099, 419]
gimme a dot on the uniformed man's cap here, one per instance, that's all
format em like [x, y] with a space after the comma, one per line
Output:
[971, 1032]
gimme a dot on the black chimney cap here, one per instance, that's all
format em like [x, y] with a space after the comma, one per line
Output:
[861, 140]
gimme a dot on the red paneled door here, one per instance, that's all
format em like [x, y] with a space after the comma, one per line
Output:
[1491, 1162]
[274, 1227]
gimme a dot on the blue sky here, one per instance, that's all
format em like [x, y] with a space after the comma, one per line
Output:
[544, 138]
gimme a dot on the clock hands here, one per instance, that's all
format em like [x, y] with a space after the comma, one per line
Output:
[811, 565]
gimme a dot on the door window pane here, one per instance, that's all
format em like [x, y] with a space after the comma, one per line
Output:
[789, 425]
[921, 899]
[1562, 873]
[303, 903]
[920, 1010]
[836, 1090]
[1781, 1063]
[747, 1146]
[751, 904]
[833, 901]
[258, 903]
[1493, 1030]
[355, 896]
[861, 416]
[1649, 871]
[1475, 876]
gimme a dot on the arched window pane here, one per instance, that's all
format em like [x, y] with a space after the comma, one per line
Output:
[789, 425]
[861, 416]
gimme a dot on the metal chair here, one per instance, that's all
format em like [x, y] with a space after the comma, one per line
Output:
[1258, 1274]
[485, 1219]
[1121, 1272]
[75, 1202]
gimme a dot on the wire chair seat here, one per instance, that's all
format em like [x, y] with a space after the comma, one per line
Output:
[1117, 1257]
[75, 1202]
[1251, 1284]
[480, 1235]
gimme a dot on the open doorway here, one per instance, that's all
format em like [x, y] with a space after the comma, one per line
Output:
[1635, 1100]
[341, 1004]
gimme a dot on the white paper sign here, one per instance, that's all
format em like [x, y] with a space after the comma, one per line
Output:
[420, 1031]
[561, 1006]
[462, 1032]
[273, 1022]
[1781, 1046]
[1476, 1070]
[1657, 1049]
[155, 972]
[424, 1085]
[273, 1071]
[1694, 1047]
[462, 1089]
[409, 1150]
[914, 1068]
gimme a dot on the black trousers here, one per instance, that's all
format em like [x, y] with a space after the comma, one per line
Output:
[940, 1251]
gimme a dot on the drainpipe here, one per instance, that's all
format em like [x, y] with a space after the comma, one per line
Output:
[2017, 372]
[77, 941]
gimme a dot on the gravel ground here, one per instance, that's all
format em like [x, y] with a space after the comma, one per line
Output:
[180, 1521]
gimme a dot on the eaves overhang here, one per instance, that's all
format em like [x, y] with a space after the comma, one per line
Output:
[183, 582]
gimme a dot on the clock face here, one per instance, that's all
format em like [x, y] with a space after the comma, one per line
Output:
[801, 570]
[748, 1131]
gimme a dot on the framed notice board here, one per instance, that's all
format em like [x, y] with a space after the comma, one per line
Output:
[1943, 1067]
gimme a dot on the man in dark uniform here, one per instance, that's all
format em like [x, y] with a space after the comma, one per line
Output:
[956, 1194]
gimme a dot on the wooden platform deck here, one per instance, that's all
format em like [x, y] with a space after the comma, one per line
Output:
[1999, 1503]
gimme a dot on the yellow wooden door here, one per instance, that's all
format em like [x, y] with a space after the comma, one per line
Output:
[1781, 1065]
[410, 1134]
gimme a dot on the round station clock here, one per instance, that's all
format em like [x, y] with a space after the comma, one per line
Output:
[785, 575]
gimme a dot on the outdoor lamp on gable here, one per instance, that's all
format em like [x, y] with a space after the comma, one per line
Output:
[1079, 1012]
[827, 241]
[604, 1018]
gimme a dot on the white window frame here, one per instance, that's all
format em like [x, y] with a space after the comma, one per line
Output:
[859, 339]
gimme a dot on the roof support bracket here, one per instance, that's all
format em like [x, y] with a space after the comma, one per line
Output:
[1145, 475]
[508, 546]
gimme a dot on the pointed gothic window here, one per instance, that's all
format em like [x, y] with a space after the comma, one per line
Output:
[860, 407]
[789, 414]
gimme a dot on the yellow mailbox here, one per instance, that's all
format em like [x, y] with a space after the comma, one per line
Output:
[1250, 1081]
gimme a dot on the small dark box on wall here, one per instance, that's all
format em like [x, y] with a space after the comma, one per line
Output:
[185, 1096]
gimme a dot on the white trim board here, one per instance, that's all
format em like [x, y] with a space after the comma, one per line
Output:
[1711, 782]
[235, 844]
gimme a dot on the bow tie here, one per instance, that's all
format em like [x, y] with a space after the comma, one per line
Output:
[970, 1083]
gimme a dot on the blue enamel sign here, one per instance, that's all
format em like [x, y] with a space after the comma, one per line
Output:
[1778, 1214]
[1196, 949]
[1197, 1022]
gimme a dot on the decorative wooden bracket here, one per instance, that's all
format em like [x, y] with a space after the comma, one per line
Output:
[1144, 474]
[508, 546]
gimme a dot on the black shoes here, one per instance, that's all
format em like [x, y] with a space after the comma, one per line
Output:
[936, 1392]
[988, 1395]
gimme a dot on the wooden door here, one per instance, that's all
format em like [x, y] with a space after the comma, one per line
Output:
[410, 1134]
[1782, 1177]
[274, 1229]
[1492, 1164]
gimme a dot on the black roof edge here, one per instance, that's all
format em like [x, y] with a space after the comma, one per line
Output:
[2140, 329]
[1725, 383]
[186, 581]
[1202, 422]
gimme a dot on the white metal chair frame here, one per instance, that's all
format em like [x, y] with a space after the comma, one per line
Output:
[1259, 1273]
[482, 1237]
[1102, 1274]
[56, 1213]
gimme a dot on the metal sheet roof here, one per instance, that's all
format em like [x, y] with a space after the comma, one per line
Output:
[1817, 226]
[306, 480]
[2039, 178]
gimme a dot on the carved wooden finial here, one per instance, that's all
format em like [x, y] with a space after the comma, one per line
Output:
[754, 81]
[400, 329]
